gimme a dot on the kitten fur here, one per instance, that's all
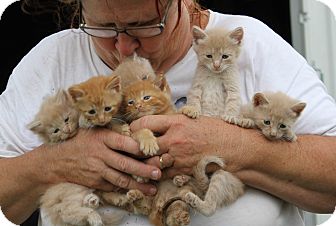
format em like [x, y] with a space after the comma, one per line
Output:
[64, 204]
[57, 120]
[215, 90]
[170, 205]
[134, 68]
[98, 101]
[274, 113]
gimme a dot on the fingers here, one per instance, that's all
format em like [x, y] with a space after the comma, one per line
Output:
[156, 123]
[131, 166]
[166, 161]
[119, 142]
[127, 182]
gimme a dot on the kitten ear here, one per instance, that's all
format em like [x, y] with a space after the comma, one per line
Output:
[114, 83]
[298, 108]
[198, 34]
[161, 82]
[237, 35]
[259, 99]
[62, 96]
[76, 93]
[34, 125]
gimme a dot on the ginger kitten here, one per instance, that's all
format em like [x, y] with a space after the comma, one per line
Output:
[64, 203]
[98, 101]
[274, 113]
[215, 89]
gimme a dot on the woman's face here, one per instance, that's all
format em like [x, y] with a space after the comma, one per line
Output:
[163, 50]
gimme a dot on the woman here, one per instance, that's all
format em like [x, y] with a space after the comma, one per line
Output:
[279, 176]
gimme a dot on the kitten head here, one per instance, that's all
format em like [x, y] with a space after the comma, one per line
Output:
[217, 49]
[276, 113]
[98, 99]
[146, 97]
[134, 68]
[57, 120]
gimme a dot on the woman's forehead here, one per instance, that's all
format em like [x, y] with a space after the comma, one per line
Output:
[123, 11]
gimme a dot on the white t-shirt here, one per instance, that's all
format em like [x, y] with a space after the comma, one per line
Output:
[266, 62]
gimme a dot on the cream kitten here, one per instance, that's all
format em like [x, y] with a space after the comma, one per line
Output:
[64, 203]
[170, 205]
[134, 68]
[98, 101]
[57, 120]
[274, 113]
[215, 90]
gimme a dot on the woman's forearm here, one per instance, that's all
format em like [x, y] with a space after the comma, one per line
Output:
[23, 180]
[300, 172]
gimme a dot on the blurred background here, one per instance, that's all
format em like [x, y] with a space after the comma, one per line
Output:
[308, 25]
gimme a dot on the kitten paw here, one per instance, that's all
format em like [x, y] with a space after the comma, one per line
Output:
[191, 199]
[291, 138]
[182, 218]
[94, 219]
[91, 201]
[246, 123]
[181, 180]
[231, 119]
[133, 195]
[149, 146]
[125, 130]
[190, 111]
[140, 179]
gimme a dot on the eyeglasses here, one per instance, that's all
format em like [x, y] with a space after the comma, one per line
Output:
[137, 32]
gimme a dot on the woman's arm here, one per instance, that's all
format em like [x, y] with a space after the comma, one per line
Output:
[87, 159]
[301, 173]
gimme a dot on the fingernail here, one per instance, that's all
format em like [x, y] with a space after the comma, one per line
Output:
[155, 174]
[152, 190]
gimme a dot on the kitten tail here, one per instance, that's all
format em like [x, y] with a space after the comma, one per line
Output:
[199, 172]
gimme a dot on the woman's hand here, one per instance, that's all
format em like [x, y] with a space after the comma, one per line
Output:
[187, 140]
[90, 158]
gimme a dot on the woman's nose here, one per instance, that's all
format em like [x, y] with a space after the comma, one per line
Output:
[126, 45]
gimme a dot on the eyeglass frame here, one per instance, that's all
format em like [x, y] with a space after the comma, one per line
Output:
[160, 25]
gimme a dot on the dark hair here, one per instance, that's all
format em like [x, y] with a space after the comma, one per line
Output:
[65, 12]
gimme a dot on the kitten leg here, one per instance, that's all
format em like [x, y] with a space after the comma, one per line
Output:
[177, 214]
[190, 111]
[239, 121]
[181, 180]
[223, 189]
[147, 141]
[114, 198]
[91, 200]
[121, 128]
[80, 216]
[142, 204]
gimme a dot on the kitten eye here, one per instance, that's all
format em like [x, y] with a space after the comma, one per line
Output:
[56, 130]
[267, 122]
[209, 56]
[107, 109]
[225, 56]
[130, 102]
[146, 97]
[92, 112]
[66, 120]
[282, 126]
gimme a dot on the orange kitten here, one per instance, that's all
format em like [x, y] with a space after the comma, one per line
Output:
[98, 101]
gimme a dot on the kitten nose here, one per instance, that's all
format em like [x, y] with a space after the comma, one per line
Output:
[126, 45]
[216, 64]
[66, 129]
